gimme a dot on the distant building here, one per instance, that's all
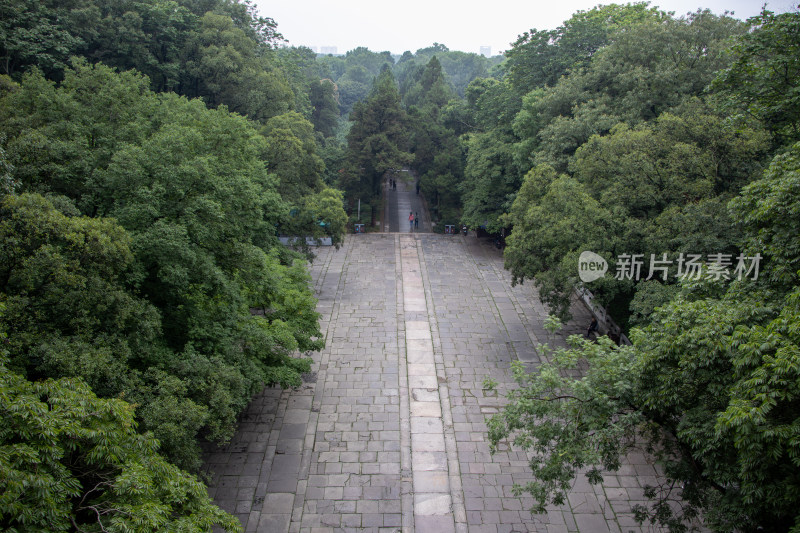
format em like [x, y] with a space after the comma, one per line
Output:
[325, 50]
[486, 51]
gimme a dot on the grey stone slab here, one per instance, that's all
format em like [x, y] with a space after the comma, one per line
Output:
[296, 416]
[425, 394]
[431, 481]
[423, 381]
[351, 520]
[284, 466]
[432, 504]
[274, 523]
[426, 424]
[300, 402]
[419, 350]
[434, 524]
[427, 442]
[422, 369]
[293, 431]
[426, 408]
[282, 485]
[247, 481]
[428, 461]
[591, 522]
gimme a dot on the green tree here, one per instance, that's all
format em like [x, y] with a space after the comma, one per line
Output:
[378, 139]
[291, 154]
[189, 187]
[438, 158]
[540, 57]
[663, 186]
[7, 183]
[71, 461]
[71, 313]
[353, 74]
[460, 68]
[68, 308]
[221, 51]
[554, 220]
[439, 161]
[85, 119]
[42, 34]
[318, 216]
[490, 180]
[679, 157]
[147, 36]
[762, 80]
[649, 68]
[491, 176]
[325, 113]
[225, 66]
[244, 14]
[492, 104]
[350, 91]
[372, 62]
[300, 68]
[711, 383]
[430, 91]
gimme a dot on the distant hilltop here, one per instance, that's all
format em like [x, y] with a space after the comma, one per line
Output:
[485, 51]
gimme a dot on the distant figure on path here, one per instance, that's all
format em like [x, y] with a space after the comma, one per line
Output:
[410, 221]
[416, 220]
[593, 327]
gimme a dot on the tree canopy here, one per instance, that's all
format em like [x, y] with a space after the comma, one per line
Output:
[70, 460]
[139, 234]
[638, 115]
[711, 382]
[378, 139]
[671, 151]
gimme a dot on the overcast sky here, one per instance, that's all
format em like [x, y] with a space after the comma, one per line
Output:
[465, 25]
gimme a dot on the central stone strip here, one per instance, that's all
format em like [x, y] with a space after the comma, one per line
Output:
[429, 464]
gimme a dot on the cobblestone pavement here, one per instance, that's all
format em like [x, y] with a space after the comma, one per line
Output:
[389, 433]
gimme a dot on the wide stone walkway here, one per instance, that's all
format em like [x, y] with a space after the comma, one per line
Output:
[389, 433]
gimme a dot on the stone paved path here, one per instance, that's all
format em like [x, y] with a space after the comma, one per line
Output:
[390, 434]
[399, 202]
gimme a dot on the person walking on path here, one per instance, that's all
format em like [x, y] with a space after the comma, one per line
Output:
[416, 220]
[410, 221]
[593, 327]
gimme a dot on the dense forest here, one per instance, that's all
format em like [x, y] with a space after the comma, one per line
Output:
[154, 152]
[669, 147]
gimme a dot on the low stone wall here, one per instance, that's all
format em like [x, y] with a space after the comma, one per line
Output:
[604, 320]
